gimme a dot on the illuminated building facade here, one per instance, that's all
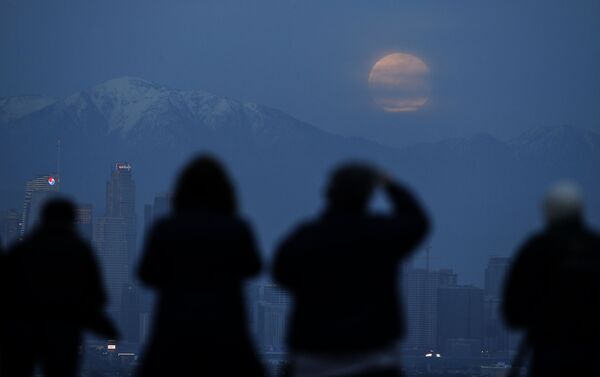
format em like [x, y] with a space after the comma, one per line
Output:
[37, 191]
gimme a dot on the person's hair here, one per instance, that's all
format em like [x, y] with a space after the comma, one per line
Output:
[58, 212]
[204, 184]
[351, 186]
[563, 203]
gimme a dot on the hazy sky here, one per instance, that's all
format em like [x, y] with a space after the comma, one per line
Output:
[498, 67]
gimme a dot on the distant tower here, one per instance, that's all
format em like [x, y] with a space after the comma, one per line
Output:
[494, 275]
[115, 236]
[497, 337]
[271, 311]
[84, 220]
[37, 191]
[460, 320]
[158, 209]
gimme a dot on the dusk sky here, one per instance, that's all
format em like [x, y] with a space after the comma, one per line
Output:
[498, 67]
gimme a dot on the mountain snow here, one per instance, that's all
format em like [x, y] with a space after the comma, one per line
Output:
[14, 108]
[128, 101]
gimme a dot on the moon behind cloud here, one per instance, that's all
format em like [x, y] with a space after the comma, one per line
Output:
[399, 82]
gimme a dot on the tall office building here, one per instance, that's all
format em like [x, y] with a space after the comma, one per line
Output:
[495, 273]
[498, 340]
[460, 320]
[37, 191]
[130, 314]
[120, 202]
[420, 291]
[159, 208]
[84, 219]
[112, 244]
[115, 240]
[269, 316]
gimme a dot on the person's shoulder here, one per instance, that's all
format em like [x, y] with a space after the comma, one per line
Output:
[534, 244]
[592, 233]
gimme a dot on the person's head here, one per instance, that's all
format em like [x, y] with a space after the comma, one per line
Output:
[351, 186]
[58, 213]
[563, 204]
[204, 185]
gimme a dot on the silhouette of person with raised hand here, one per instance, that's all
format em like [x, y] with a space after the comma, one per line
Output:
[552, 290]
[196, 260]
[54, 292]
[342, 271]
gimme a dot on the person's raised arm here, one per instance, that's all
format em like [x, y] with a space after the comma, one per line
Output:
[407, 213]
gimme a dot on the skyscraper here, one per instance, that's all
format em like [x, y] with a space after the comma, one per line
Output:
[84, 219]
[37, 191]
[115, 240]
[111, 242]
[159, 208]
[497, 340]
[460, 320]
[270, 311]
[494, 275]
[120, 202]
[421, 300]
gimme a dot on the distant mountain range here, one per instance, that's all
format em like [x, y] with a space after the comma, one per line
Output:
[483, 193]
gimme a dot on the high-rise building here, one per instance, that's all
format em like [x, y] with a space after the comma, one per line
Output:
[84, 219]
[111, 243]
[114, 237]
[120, 202]
[460, 320]
[159, 208]
[420, 299]
[130, 314]
[498, 339]
[495, 273]
[420, 291]
[37, 191]
[269, 316]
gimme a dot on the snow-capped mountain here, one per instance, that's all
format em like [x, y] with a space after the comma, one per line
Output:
[14, 108]
[483, 193]
[129, 102]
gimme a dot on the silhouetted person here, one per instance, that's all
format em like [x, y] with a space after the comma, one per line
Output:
[342, 270]
[54, 291]
[553, 290]
[196, 260]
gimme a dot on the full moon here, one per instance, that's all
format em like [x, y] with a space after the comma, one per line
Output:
[399, 82]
